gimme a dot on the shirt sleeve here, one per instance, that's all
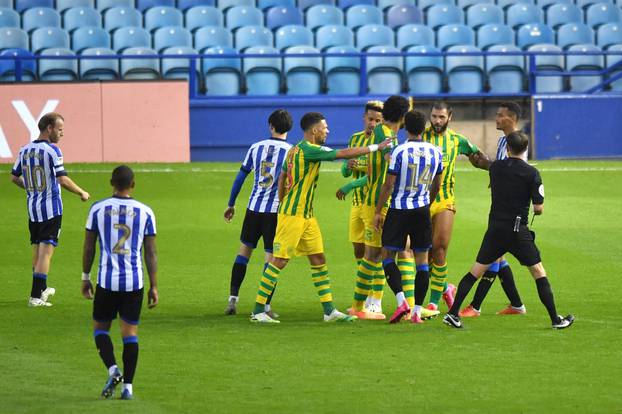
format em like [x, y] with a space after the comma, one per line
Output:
[150, 225]
[57, 159]
[317, 153]
[247, 164]
[17, 167]
[91, 220]
[395, 164]
[537, 189]
[465, 146]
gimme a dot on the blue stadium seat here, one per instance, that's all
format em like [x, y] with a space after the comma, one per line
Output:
[442, 14]
[171, 36]
[8, 67]
[13, 38]
[609, 34]
[547, 59]
[530, 34]
[37, 17]
[481, 14]
[81, 16]
[144, 5]
[305, 4]
[559, 14]
[126, 37]
[184, 5]
[414, 35]
[200, 16]
[89, 37]
[403, 14]
[48, 37]
[161, 16]
[6, 4]
[323, 15]
[523, 13]
[58, 69]
[374, 35]
[253, 36]
[384, 73]
[574, 33]
[145, 68]
[545, 4]
[465, 74]
[584, 63]
[466, 4]
[226, 4]
[263, 75]
[103, 5]
[241, 16]
[293, 35]
[615, 60]
[584, 4]
[426, 4]
[454, 34]
[266, 4]
[303, 75]
[506, 74]
[360, 15]
[9, 18]
[346, 4]
[343, 74]
[386, 4]
[62, 5]
[424, 74]
[333, 35]
[98, 69]
[505, 4]
[179, 68]
[494, 34]
[122, 16]
[282, 16]
[601, 13]
[222, 75]
[209, 36]
[21, 5]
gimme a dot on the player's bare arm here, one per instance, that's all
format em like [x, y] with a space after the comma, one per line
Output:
[435, 187]
[88, 255]
[358, 151]
[68, 184]
[151, 261]
[538, 209]
[480, 160]
[18, 181]
[385, 192]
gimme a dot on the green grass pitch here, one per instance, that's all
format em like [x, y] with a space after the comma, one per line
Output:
[195, 359]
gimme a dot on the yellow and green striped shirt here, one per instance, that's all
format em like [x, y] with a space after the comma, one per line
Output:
[357, 140]
[377, 164]
[301, 168]
[451, 145]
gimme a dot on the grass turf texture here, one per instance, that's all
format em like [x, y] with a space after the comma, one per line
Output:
[193, 358]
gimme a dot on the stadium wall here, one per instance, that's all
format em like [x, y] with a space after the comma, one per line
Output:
[104, 122]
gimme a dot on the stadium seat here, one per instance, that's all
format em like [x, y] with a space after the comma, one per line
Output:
[559, 14]
[253, 36]
[609, 34]
[184, 5]
[9, 18]
[545, 4]
[465, 74]
[414, 35]
[360, 15]
[530, 34]
[37, 17]
[80, 17]
[122, 16]
[103, 5]
[505, 4]
[266, 4]
[424, 74]
[145, 68]
[48, 37]
[6, 4]
[384, 73]
[547, 60]
[454, 34]
[222, 75]
[171, 36]
[481, 14]
[98, 69]
[523, 13]
[144, 5]
[13, 38]
[200, 16]
[89, 37]
[343, 73]
[601, 13]
[226, 4]
[62, 5]
[323, 15]
[584, 63]
[442, 14]
[374, 35]
[346, 4]
[263, 74]
[283, 16]
[126, 37]
[574, 33]
[333, 35]
[424, 5]
[494, 34]
[303, 75]
[506, 74]
[384, 5]
[615, 60]
[161, 16]
[465, 5]
[21, 5]
[306, 4]
[584, 4]
[8, 69]
[403, 14]
[242, 16]
[58, 69]
[293, 35]
[209, 36]
[179, 68]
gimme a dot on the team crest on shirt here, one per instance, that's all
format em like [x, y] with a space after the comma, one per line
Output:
[541, 190]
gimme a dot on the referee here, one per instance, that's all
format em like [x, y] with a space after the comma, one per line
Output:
[514, 184]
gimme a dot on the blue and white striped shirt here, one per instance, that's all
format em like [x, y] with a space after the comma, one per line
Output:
[502, 149]
[41, 162]
[415, 164]
[265, 159]
[121, 225]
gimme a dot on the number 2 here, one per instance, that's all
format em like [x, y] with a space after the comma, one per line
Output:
[119, 248]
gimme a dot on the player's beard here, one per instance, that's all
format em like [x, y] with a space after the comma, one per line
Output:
[441, 128]
[54, 138]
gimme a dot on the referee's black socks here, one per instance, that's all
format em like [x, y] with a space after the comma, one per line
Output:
[464, 287]
[546, 297]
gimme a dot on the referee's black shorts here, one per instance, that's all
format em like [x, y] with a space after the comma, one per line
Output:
[45, 231]
[400, 224]
[259, 225]
[501, 238]
[108, 303]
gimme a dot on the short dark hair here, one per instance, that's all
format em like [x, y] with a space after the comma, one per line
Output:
[517, 142]
[281, 121]
[414, 122]
[512, 107]
[374, 106]
[440, 105]
[49, 119]
[122, 177]
[394, 109]
[309, 119]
